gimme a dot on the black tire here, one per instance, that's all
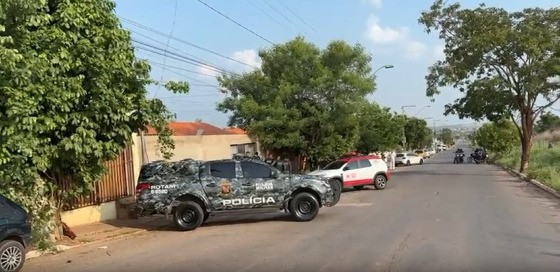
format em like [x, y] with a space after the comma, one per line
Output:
[336, 186]
[421, 162]
[380, 182]
[359, 187]
[12, 256]
[408, 163]
[304, 207]
[188, 216]
[469, 160]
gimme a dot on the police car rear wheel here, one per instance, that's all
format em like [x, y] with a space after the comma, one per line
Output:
[304, 207]
[380, 182]
[188, 216]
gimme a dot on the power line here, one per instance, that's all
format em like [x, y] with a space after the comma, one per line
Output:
[179, 68]
[200, 82]
[182, 41]
[235, 22]
[297, 16]
[268, 15]
[167, 45]
[189, 60]
[280, 13]
[174, 48]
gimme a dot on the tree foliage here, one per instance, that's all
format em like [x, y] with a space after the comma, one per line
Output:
[380, 130]
[504, 63]
[446, 136]
[547, 122]
[418, 134]
[498, 137]
[303, 100]
[71, 95]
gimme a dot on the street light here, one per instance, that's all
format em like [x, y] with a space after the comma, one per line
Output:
[427, 106]
[389, 66]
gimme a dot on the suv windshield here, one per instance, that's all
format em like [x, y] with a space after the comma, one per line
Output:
[334, 165]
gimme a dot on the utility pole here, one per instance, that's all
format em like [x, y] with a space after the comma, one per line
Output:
[403, 132]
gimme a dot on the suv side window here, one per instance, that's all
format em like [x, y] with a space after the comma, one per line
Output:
[352, 165]
[364, 163]
[5, 210]
[255, 170]
[222, 169]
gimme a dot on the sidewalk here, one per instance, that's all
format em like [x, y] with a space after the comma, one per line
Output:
[106, 231]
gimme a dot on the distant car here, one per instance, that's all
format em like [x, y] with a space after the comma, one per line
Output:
[357, 171]
[15, 235]
[408, 159]
[422, 153]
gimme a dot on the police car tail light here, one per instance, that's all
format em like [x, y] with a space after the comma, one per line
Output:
[142, 186]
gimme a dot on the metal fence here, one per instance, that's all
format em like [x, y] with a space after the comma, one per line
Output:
[116, 183]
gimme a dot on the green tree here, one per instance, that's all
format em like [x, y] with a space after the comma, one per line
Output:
[548, 121]
[303, 100]
[380, 130]
[417, 133]
[71, 94]
[504, 63]
[498, 137]
[446, 136]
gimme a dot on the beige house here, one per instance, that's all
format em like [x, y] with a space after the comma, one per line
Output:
[199, 141]
[110, 197]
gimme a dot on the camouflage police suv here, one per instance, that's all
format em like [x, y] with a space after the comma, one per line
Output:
[192, 190]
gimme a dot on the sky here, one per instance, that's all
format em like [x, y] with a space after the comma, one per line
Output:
[388, 29]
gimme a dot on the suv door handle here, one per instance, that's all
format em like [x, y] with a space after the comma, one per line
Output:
[211, 184]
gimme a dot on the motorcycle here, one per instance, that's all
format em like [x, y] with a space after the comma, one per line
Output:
[459, 158]
[477, 158]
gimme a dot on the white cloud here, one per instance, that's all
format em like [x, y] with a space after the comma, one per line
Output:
[376, 3]
[399, 36]
[384, 35]
[415, 50]
[250, 57]
[207, 70]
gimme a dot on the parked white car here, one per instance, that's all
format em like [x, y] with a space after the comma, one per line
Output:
[357, 171]
[408, 159]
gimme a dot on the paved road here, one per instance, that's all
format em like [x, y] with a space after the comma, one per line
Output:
[434, 217]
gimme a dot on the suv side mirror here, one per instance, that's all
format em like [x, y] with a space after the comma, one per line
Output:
[345, 168]
[273, 174]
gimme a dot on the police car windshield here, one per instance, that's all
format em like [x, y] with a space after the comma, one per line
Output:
[334, 165]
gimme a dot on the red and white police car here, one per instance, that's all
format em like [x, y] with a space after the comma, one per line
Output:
[357, 171]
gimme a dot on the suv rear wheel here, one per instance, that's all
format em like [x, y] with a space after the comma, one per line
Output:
[304, 207]
[188, 216]
[12, 256]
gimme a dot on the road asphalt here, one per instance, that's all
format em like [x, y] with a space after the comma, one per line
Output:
[438, 216]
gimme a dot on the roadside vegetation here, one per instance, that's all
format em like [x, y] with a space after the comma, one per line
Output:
[544, 163]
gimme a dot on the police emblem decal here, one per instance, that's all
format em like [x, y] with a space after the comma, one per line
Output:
[225, 188]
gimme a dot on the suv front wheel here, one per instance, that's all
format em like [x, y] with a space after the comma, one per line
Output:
[304, 207]
[12, 256]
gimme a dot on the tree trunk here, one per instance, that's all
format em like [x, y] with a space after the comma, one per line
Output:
[526, 143]
[526, 140]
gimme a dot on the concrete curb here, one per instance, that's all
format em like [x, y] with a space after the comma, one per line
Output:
[535, 182]
[61, 248]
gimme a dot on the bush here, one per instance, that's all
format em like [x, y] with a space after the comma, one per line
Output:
[543, 164]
